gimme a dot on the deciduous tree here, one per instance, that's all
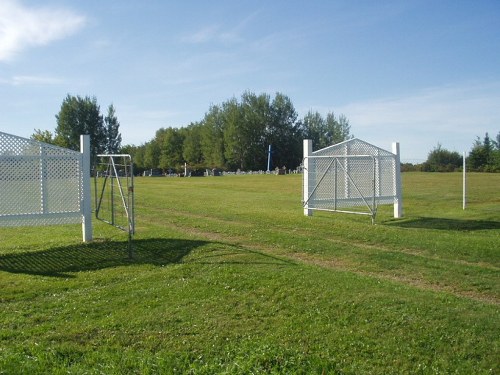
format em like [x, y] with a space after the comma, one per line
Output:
[212, 138]
[442, 160]
[80, 115]
[43, 136]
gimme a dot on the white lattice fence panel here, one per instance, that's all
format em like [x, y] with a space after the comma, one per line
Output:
[40, 184]
[350, 176]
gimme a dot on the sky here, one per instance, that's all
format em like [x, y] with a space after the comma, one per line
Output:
[417, 72]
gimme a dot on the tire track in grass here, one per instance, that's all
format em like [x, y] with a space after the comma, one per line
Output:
[338, 240]
[413, 279]
[418, 283]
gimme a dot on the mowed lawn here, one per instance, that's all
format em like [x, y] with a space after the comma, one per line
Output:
[229, 277]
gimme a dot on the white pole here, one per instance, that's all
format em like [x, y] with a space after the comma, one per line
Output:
[86, 205]
[269, 159]
[306, 176]
[398, 200]
[464, 182]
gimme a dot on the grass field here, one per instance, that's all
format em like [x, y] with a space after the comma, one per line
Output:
[229, 277]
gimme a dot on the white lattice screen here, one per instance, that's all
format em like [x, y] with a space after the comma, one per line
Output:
[41, 184]
[353, 176]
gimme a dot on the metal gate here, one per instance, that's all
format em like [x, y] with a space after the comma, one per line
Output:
[344, 184]
[352, 177]
[114, 192]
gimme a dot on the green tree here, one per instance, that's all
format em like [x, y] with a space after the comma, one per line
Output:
[485, 155]
[314, 129]
[151, 158]
[235, 140]
[112, 127]
[137, 153]
[256, 117]
[283, 133]
[442, 160]
[191, 150]
[497, 141]
[212, 138]
[78, 116]
[326, 132]
[336, 130]
[477, 159]
[171, 141]
[43, 136]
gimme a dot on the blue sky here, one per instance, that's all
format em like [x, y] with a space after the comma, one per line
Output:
[418, 72]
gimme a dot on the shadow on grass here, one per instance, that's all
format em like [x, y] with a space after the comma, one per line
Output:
[61, 261]
[236, 254]
[446, 224]
[97, 255]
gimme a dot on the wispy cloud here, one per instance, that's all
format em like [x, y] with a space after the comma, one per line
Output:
[22, 27]
[21, 80]
[452, 116]
[212, 33]
[36, 80]
[217, 33]
[444, 108]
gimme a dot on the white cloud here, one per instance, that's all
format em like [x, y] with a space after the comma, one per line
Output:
[22, 27]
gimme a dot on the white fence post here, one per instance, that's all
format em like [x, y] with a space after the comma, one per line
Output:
[86, 195]
[398, 200]
[307, 184]
[464, 183]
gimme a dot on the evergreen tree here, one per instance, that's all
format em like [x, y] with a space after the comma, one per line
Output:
[113, 136]
[485, 155]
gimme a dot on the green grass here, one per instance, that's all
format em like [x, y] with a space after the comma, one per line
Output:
[228, 276]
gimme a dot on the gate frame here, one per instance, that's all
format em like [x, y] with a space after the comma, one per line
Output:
[335, 162]
[308, 182]
[127, 200]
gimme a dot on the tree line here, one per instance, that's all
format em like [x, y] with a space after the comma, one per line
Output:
[236, 135]
[233, 135]
[483, 157]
